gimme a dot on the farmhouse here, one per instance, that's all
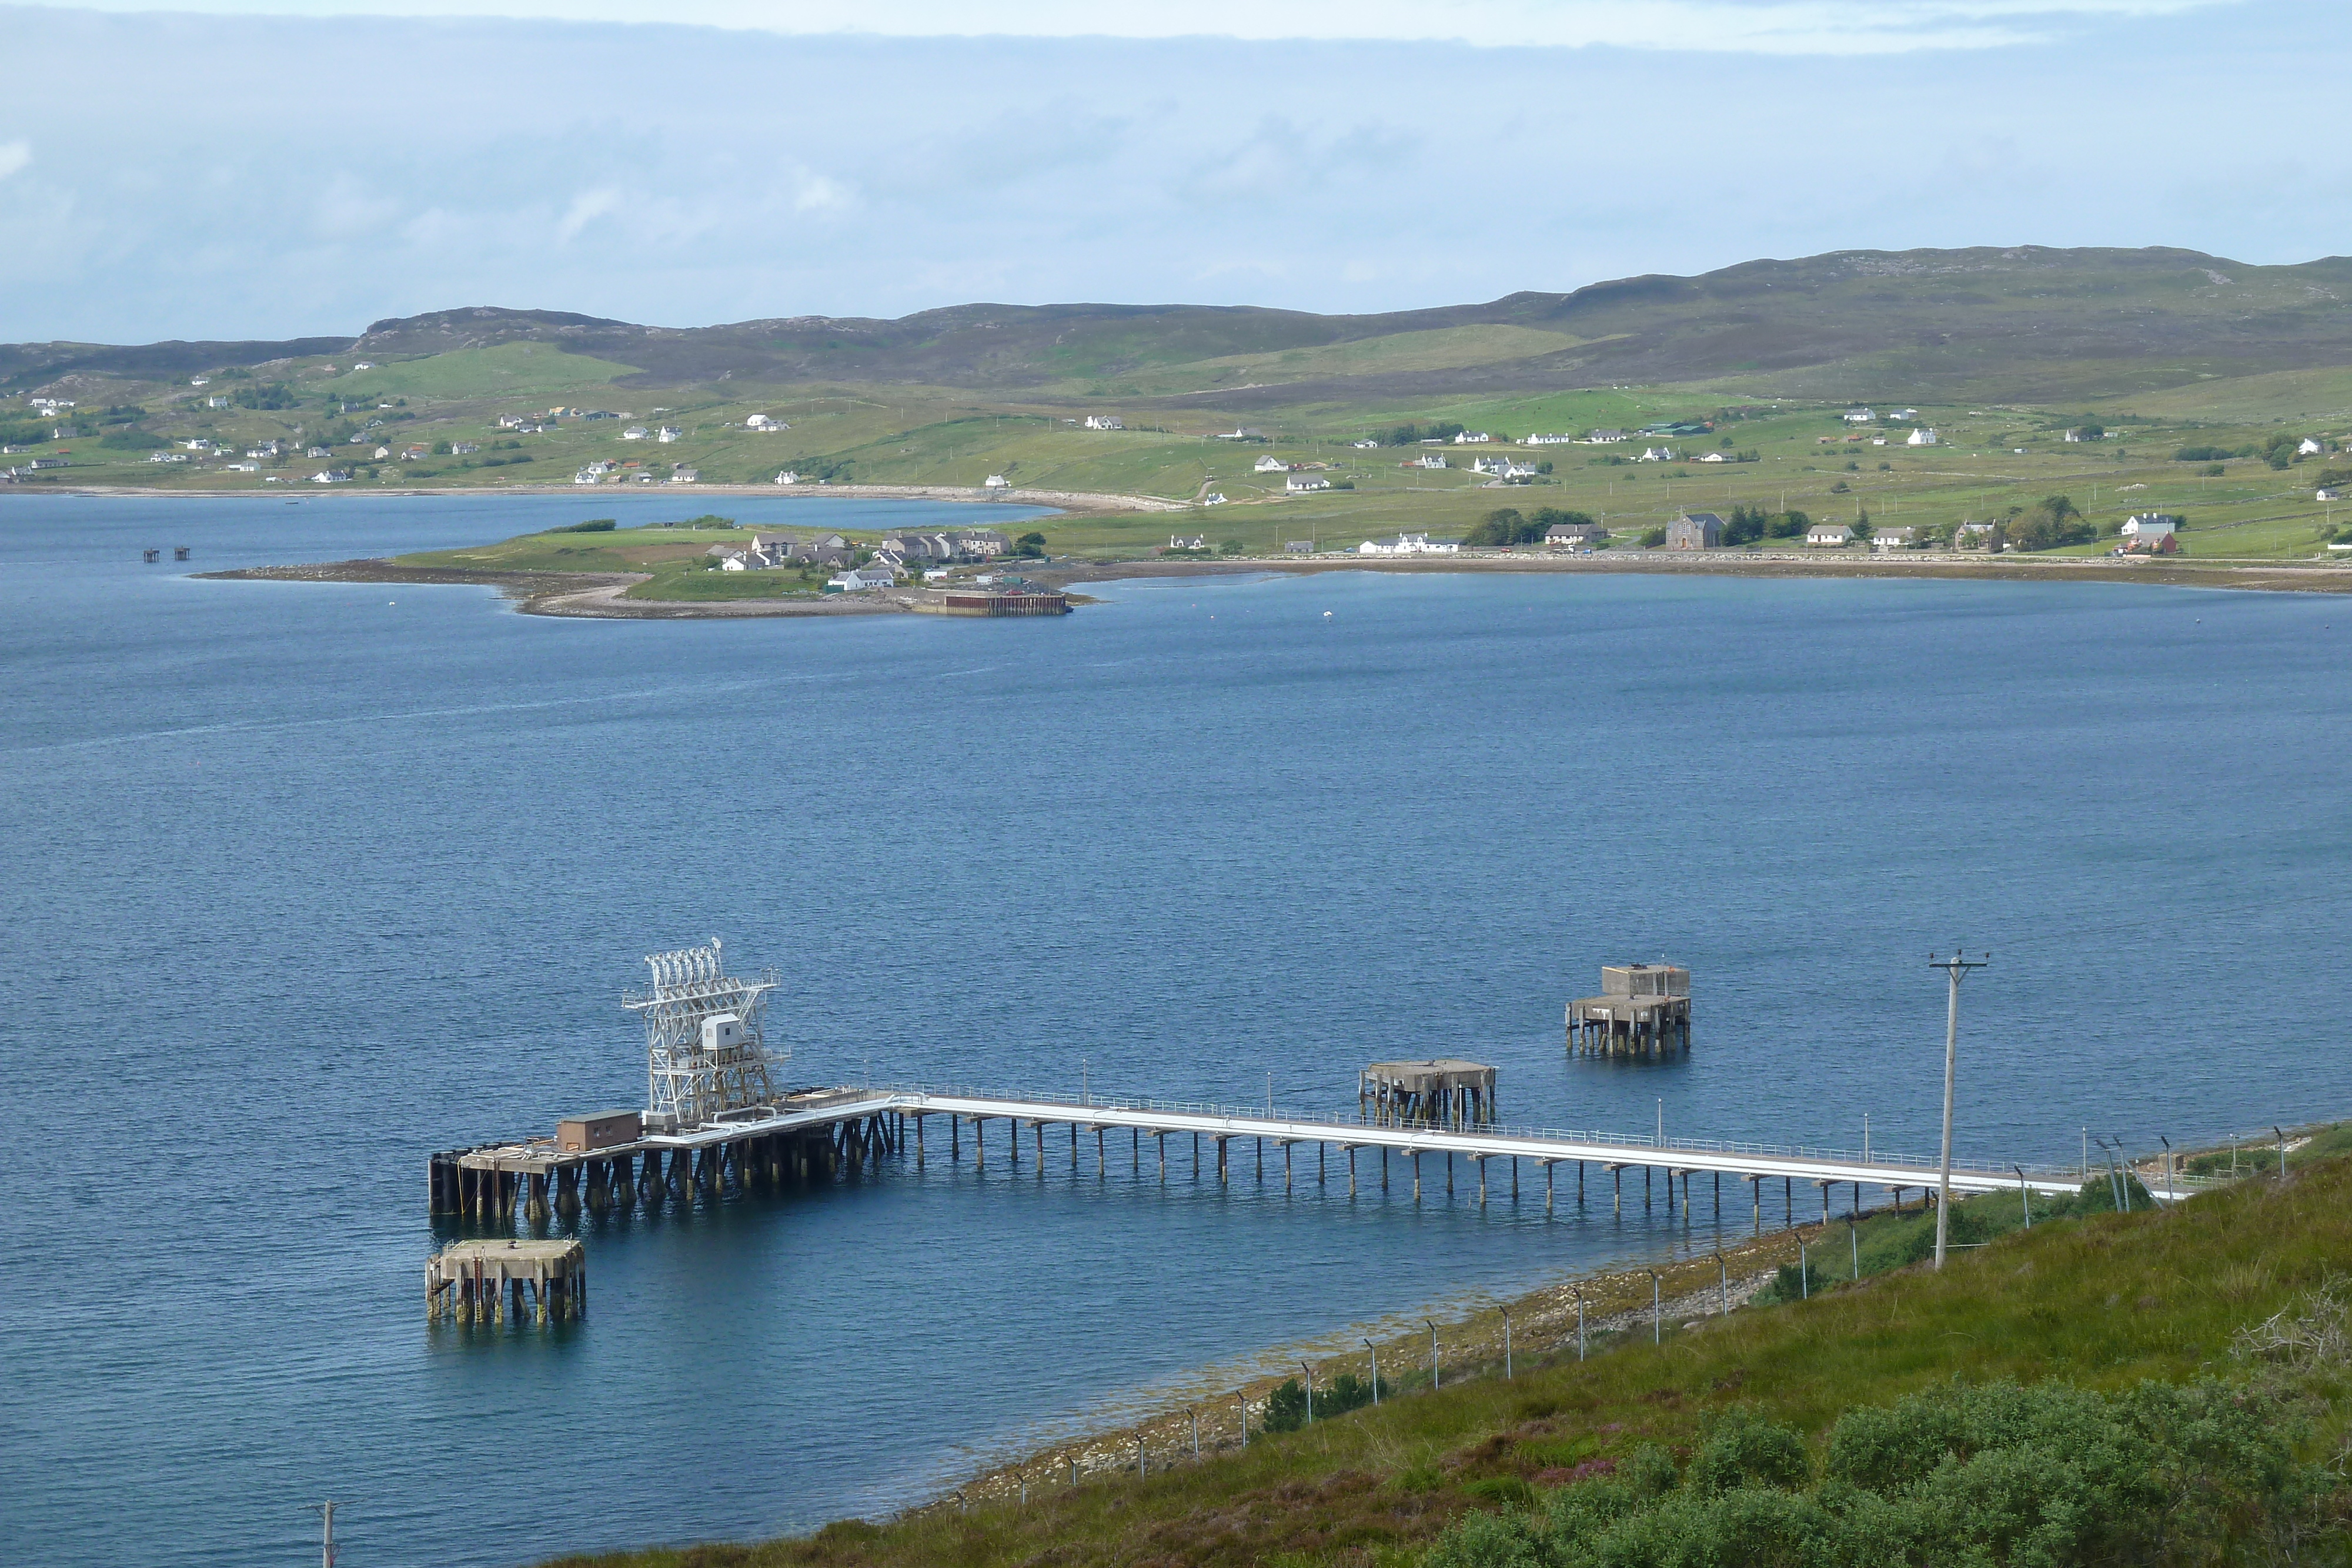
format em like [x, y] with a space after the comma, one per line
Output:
[1470, 438]
[2149, 526]
[1922, 436]
[1894, 538]
[1270, 463]
[1298, 484]
[1104, 422]
[1549, 440]
[1409, 544]
[1830, 534]
[1574, 535]
[1603, 437]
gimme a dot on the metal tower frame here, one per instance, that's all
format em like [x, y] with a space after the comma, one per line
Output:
[690, 1074]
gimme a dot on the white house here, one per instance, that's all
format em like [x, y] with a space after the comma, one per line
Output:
[1409, 544]
[1427, 460]
[2149, 526]
[860, 579]
[1905, 413]
[1104, 422]
[634, 433]
[1515, 469]
[2309, 447]
[1494, 466]
[1602, 438]
[382, 453]
[1656, 454]
[1892, 538]
[321, 451]
[1549, 440]
[1270, 463]
[2328, 493]
[1718, 457]
[331, 476]
[464, 448]
[996, 481]
[1859, 416]
[588, 476]
[1470, 438]
[1178, 541]
[1831, 534]
[762, 422]
[669, 432]
[733, 563]
[364, 365]
[1213, 498]
[1367, 445]
[1922, 436]
[788, 477]
[1298, 483]
[682, 475]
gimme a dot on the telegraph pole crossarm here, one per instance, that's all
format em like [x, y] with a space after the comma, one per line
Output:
[1955, 969]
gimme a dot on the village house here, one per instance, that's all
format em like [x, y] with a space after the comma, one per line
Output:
[1574, 536]
[1829, 535]
[321, 451]
[1270, 463]
[1409, 544]
[996, 481]
[1718, 457]
[1603, 437]
[464, 448]
[382, 453]
[1549, 440]
[1299, 483]
[788, 477]
[1470, 438]
[2328, 493]
[760, 422]
[2149, 526]
[414, 454]
[1492, 465]
[1894, 538]
[860, 579]
[1104, 422]
[1367, 445]
[669, 433]
[1656, 454]
[2309, 447]
[1695, 530]
[1298, 546]
[1242, 433]
[1213, 498]
[1178, 541]
[1859, 416]
[1427, 460]
[331, 476]
[682, 475]
[1922, 436]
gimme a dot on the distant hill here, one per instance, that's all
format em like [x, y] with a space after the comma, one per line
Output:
[2026, 323]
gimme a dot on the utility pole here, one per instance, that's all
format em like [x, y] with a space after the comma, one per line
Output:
[1955, 969]
[327, 1545]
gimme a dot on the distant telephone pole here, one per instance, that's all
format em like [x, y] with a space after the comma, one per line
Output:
[1955, 969]
[327, 1546]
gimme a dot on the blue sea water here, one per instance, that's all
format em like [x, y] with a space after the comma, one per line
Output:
[304, 881]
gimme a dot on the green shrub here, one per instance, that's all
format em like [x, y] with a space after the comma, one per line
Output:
[592, 526]
[2046, 1476]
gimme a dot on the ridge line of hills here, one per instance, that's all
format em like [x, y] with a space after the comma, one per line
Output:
[2019, 322]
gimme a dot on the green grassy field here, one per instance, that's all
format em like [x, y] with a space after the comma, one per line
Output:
[2100, 1303]
[1989, 457]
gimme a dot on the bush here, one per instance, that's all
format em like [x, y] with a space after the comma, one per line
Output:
[1286, 1407]
[1232, 547]
[1655, 539]
[2048, 1475]
[2205, 453]
[592, 526]
[131, 441]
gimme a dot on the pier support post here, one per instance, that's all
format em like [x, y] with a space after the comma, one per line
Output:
[1547, 1187]
[1416, 1176]
[918, 1140]
[1351, 1170]
[1384, 1167]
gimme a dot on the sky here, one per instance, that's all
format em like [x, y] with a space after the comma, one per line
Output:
[276, 168]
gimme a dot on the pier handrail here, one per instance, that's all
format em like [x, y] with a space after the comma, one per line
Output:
[1150, 1106]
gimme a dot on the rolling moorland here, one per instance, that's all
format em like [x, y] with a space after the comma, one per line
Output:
[2200, 387]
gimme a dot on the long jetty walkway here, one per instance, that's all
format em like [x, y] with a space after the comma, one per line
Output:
[821, 1131]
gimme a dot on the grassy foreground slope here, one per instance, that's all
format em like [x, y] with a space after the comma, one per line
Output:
[2101, 1304]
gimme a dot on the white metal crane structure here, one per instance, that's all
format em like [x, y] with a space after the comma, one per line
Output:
[704, 1055]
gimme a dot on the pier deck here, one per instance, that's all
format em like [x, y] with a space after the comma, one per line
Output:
[818, 1131]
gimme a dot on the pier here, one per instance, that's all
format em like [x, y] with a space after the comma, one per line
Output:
[1644, 1009]
[818, 1132]
[717, 1125]
[507, 1282]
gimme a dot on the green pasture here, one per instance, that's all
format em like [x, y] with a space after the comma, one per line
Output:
[505, 371]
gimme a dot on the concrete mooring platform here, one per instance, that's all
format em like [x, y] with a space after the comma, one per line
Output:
[502, 1281]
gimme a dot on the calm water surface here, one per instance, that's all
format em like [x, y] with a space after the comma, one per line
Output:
[304, 881]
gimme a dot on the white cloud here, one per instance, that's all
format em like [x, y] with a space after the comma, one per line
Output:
[13, 156]
[1836, 27]
[586, 209]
